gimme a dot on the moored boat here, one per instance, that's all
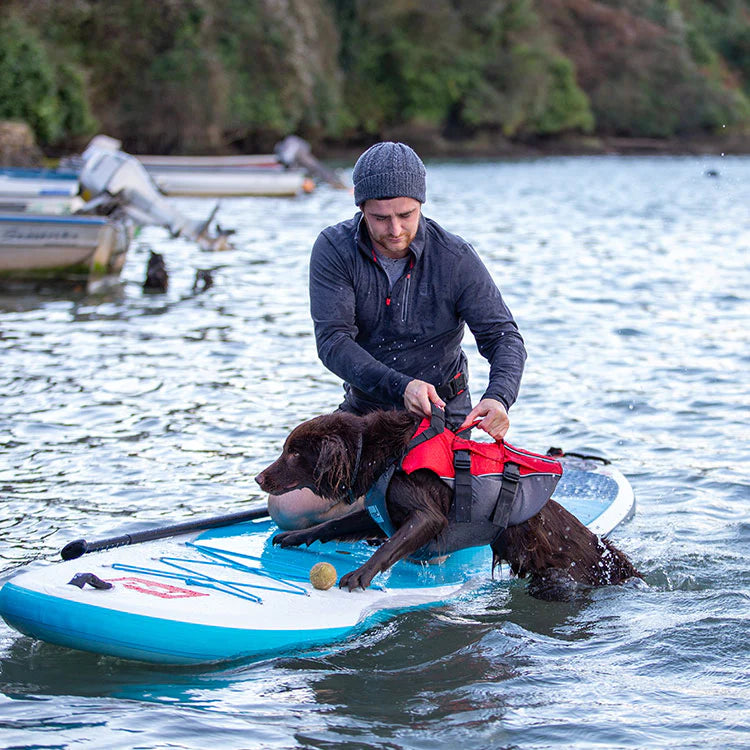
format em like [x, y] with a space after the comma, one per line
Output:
[262, 175]
[47, 248]
[289, 171]
[234, 161]
[218, 181]
[39, 191]
[74, 241]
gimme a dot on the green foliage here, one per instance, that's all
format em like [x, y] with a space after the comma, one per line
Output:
[666, 103]
[197, 75]
[659, 71]
[720, 31]
[255, 54]
[532, 87]
[565, 106]
[76, 117]
[150, 79]
[49, 97]
[405, 63]
[188, 75]
[735, 48]
[531, 92]
[471, 65]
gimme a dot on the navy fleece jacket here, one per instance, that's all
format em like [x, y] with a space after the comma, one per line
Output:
[377, 340]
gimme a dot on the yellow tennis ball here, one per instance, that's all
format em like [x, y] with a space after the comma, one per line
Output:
[322, 575]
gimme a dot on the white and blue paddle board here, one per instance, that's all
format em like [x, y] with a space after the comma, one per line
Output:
[229, 594]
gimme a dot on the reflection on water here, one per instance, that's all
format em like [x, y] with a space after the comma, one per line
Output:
[629, 280]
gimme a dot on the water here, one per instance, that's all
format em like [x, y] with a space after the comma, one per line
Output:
[629, 279]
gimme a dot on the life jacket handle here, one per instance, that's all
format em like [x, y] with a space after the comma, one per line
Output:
[469, 427]
[437, 425]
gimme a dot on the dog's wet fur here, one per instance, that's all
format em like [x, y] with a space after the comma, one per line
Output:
[553, 550]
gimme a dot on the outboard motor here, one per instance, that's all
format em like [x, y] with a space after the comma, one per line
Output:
[293, 151]
[108, 174]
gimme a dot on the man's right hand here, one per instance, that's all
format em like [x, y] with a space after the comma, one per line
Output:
[419, 397]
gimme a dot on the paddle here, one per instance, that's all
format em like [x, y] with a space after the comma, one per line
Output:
[79, 547]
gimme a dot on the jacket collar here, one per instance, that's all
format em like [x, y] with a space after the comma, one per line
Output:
[364, 243]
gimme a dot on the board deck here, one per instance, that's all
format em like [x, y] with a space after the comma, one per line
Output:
[229, 594]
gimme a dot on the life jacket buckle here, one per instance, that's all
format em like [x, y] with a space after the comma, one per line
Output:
[462, 460]
[455, 386]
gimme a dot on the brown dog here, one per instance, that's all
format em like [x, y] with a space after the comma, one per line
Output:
[341, 454]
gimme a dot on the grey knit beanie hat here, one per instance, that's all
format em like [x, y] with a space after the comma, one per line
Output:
[389, 170]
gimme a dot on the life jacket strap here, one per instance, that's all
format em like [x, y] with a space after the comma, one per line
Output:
[375, 496]
[375, 501]
[437, 425]
[507, 495]
[462, 488]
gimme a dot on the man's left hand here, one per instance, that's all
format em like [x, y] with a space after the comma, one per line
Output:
[494, 418]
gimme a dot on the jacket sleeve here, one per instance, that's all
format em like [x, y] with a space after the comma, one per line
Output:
[481, 305]
[333, 310]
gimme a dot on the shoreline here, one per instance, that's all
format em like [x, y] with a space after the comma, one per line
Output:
[432, 146]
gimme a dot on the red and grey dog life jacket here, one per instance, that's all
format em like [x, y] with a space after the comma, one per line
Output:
[495, 485]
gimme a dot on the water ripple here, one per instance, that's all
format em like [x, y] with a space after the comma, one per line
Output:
[628, 278]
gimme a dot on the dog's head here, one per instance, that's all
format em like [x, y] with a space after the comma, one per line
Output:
[319, 454]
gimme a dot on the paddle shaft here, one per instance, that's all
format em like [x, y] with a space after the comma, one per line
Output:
[79, 547]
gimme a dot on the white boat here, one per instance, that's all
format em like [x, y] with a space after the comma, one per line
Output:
[211, 162]
[223, 176]
[229, 181]
[38, 191]
[286, 173]
[40, 243]
[47, 248]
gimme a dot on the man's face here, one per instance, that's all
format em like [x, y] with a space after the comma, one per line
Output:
[392, 224]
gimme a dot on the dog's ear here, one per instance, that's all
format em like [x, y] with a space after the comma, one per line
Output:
[333, 470]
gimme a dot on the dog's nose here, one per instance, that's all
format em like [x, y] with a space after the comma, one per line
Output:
[260, 479]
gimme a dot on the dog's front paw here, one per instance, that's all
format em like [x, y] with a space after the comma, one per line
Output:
[360, 578]
[289, 539]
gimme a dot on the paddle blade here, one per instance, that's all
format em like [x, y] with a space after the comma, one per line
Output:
[74, 549]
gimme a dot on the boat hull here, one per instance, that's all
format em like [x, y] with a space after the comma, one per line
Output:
[39, 247]
[226, 182]
[210, 162]
[38, 191]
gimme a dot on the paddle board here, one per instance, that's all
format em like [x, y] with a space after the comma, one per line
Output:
[229, 594]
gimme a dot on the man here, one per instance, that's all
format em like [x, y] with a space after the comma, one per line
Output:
[390, 293]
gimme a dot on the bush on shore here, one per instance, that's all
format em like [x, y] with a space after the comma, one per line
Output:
[220, 75]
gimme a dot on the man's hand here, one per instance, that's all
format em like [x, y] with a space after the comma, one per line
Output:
[494, 417]
[419, 397]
